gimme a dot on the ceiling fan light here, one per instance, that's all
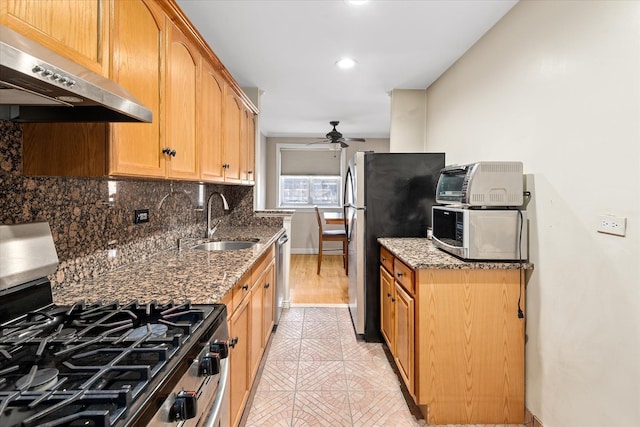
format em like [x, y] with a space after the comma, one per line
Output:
[346, 63]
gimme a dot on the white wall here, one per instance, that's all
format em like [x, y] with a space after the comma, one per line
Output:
[407, 127]
[304, 239]
[556, 84]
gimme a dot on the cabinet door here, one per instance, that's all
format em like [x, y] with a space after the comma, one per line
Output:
[232, 116]
[268, 301]
[404, 336]
[239, 360]
[209, 130]
[138, 43]
[256, 329]
[183, 61]
[249, 152]
[75, 29]
[387, 307]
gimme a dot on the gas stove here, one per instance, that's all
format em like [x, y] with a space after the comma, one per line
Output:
[109, 364]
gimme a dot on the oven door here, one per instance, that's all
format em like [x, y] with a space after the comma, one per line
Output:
[448, 229]
[451, 185]
[201, 396]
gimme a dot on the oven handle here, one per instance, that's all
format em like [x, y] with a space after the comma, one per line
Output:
[220, 404]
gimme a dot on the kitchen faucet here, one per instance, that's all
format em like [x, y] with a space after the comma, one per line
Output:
[211, 230]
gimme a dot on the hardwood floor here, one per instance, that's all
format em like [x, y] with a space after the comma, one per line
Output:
[331, 286]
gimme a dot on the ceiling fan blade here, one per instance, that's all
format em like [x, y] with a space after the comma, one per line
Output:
[323, 141]
[355, 139]
[343, 144]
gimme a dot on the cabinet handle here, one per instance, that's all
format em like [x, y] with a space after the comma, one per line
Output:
[384, 259]
[388, 294]
[245, 287]
[169, 151]
[399, 274]
[266, 286]
[393, 300]
[249, 172]
[233, 342]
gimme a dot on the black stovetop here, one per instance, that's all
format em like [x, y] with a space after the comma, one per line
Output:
[93, 364]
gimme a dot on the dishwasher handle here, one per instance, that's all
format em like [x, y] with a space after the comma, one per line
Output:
[282, 240]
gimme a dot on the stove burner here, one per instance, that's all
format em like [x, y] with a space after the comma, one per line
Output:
[39, 380]
[157, 330]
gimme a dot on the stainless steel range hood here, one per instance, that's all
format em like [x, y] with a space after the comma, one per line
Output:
[38, 85]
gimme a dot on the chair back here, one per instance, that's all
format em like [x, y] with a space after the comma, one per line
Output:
[319, 217]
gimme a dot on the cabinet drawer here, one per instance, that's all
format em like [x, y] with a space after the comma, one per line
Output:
[240, 290]
[386, 258]
[259, 267]
[403, 275]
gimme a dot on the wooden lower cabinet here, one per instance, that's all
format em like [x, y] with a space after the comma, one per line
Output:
[387, 307]
[268, 303]
[239, 384]
[457, 341]
[404, 336]
[250, 323]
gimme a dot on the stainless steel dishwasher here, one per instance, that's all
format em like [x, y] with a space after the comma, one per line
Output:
[280, 276]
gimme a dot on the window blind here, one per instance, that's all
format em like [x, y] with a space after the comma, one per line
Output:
[309, 162]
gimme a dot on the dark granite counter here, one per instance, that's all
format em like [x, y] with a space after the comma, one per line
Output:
[189, 274]
[419, 253]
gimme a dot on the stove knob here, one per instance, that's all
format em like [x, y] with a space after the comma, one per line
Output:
[184, 407]
[221, 347]
[209, 365]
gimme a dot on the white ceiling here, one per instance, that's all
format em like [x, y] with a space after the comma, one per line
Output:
[288, 49]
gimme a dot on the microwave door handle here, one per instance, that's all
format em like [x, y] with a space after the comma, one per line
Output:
[452, 171]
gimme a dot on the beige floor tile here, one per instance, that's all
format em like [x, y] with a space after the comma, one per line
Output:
[271, 408]
[370, 376]
[289, 330]
[380, 408]
[322, 409]
[315, 349]
[284, 349]
[321, 375]
[320, 330]
[292, 314]
[320, 314]
[365, 351]
[343, 315]
[279, 375]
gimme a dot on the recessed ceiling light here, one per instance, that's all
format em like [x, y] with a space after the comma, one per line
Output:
[345, 63]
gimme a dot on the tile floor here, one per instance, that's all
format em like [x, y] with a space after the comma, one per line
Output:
[317, 374]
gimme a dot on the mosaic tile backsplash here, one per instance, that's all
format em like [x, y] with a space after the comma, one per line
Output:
[92, 220]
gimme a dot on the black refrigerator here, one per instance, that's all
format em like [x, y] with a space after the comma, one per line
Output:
[385, 195]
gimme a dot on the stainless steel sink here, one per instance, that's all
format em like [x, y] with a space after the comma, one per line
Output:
[226, 245]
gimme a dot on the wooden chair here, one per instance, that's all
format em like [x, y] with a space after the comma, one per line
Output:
[331, 236]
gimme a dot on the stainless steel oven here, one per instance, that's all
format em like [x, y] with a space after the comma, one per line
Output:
[102, 364]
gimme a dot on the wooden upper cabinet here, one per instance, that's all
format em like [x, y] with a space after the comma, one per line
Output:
[183, 61]
[209, 129]
[232, 140]
[138, 43]
[75, 29]
[249, 147]
[202, 129]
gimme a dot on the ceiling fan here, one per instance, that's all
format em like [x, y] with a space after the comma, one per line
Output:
[336, 137]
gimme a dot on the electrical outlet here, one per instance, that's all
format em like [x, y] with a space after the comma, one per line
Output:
[612, 224]
[141, 215]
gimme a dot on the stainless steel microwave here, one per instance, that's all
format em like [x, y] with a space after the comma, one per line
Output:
[481, 234]
[481, 184]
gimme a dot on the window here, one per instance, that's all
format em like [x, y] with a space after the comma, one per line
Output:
[309, 175]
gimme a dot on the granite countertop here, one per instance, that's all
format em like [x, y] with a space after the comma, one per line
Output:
[419, 253]
[201, 277]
